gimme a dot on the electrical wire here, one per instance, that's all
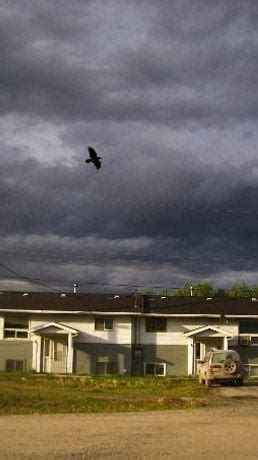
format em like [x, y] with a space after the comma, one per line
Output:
[26, 278]
[112, 256]
[203, 209]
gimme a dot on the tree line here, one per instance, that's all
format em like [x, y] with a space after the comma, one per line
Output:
[207, 290]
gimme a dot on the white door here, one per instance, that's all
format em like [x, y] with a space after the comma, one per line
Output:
[54, 355]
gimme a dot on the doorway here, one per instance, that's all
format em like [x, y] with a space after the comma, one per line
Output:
[201, 346]
[54, 355]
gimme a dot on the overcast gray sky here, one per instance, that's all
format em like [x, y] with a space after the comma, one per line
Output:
[167, 92]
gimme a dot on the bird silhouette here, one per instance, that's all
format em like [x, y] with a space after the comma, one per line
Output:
[94, 158]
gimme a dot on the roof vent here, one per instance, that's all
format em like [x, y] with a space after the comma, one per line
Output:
[24, 294]
[63, 295]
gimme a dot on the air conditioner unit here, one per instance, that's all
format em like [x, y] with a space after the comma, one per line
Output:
[244, 341]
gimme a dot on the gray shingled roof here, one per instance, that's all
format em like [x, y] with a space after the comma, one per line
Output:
[199, 305]
[123, 303]
[65, 302]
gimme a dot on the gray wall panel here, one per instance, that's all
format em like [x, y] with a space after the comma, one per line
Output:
[175, 356]
[17, 350]
[87, 355]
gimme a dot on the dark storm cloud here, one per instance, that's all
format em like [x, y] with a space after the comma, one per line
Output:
[49, 68]
[69, 201]
[120, 75]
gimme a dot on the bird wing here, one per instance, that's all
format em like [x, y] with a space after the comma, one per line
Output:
[97, 163]
[93, 153]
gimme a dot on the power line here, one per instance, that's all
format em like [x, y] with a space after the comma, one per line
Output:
[111, 257]
[38, 281]
[201, 209]
[27, 278]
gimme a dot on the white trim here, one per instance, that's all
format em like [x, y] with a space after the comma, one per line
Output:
[201, 329]
[75, 312]
[158, 364]
[128, 313]
[69, 363]
[190, 356]
[105, 329]
[59, 326]
[249, 336]
[38, 360]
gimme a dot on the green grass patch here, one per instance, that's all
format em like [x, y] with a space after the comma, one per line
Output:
[27, 393]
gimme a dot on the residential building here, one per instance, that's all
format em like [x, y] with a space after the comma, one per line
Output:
[99, 334]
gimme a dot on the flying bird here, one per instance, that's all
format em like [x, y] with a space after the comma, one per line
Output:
[94, 158]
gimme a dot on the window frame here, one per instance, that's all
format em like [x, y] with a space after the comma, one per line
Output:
[150, 328]
[248, 327]
[106, 364]
[155, 364]
[103, 320]
[15, 361]
[14, 332]
[249, 341]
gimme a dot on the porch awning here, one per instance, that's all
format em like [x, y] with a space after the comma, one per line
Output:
[207, 330]
[54, 328]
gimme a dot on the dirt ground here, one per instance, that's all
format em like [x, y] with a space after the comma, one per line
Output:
[229, 430]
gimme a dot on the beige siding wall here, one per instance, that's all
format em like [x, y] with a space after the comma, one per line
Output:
[86, 325]
[177, 327]
[174, 334]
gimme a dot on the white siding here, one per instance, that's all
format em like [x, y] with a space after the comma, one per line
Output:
[86, 327]
[173, 336]
[176, 328]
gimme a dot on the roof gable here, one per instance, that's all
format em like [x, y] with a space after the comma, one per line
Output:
[206, 329]
[54, 327]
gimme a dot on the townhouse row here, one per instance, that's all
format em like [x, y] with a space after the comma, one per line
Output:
[101, 334]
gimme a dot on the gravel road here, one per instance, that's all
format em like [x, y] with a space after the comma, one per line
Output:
[229, 430]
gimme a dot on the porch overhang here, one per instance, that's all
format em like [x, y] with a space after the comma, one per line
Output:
[54, 328]
[207, 331]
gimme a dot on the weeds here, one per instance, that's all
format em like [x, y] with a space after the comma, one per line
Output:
[26, 393]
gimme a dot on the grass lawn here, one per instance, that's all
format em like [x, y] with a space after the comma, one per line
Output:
[27, 393]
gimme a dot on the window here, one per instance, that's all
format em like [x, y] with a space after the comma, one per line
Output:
[156, 324]
[107, 368]
[248, 327]
[197, 350]
[16, 328]
[104, 324]
[12, 365]
[221, 356]
[158, 369]
[245, 340]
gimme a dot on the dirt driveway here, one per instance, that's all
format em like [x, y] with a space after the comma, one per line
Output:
[227, 431]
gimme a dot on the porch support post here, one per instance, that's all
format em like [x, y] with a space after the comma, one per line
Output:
[225, 343]
[38, 353]
[190, 356]
[70, 354]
